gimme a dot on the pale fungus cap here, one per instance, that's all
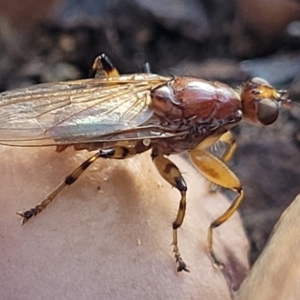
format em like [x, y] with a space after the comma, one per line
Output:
[108, 236]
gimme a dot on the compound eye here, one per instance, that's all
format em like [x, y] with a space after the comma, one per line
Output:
[267, 111]
[259, 81]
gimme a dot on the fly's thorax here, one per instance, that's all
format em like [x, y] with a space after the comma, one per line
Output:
[189, 98]
[164, 102]
[176, 145]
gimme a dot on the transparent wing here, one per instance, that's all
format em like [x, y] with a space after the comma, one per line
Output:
[75, 111]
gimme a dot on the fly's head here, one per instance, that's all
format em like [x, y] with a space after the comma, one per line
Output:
[261, 102]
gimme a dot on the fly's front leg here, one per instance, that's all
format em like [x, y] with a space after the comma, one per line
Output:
[216, 171]
[171, 174]
[114, 152]
[227, 138]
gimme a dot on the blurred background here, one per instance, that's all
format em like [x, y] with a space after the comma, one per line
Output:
[229, 41]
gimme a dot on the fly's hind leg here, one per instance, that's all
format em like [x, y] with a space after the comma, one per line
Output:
[103, 67]
[114, 152]
[171, 174]
[217, 172]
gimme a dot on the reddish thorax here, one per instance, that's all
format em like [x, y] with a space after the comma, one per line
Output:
[193, 98]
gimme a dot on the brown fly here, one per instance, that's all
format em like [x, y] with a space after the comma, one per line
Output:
[124, 115]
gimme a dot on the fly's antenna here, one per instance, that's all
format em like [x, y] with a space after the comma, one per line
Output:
[294, 82]
[283, 99]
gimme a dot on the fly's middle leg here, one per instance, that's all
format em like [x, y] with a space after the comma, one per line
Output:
[171, 174]
[114, 152]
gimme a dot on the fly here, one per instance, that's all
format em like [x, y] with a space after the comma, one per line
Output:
[124, 115]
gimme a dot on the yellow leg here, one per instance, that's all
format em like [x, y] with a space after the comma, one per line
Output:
[115, 152]
[171, 174]
[228, 139]
[217, 172]
[227, 155]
